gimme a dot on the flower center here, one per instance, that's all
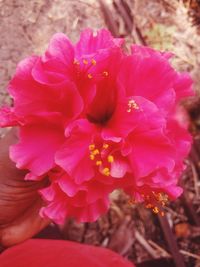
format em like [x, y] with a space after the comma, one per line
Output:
[100, 119]
[101, 157]
[101, 109]
[103, 105]
[154, 201]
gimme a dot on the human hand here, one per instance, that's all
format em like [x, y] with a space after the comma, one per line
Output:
[19, 199]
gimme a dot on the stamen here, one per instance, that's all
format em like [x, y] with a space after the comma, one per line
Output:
[105, 73]
[98, 162]
[92, 157]
[105, 146]
[76, 62]
[89, 76]
[132, 105]
[91, 147]
[156, 202]
[106, 171]
[110, 158]
[131, 201]
[155, 210]
[93, 61]
[149, 206]
[95, 152]
[85, 61]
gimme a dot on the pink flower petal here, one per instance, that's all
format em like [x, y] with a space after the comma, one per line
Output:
[37, 146]
[150, 77]
[183, 86]
[90, 43]
[60, 48]
[127, 119]
[74, 154]
[151, 150]
[9, 118]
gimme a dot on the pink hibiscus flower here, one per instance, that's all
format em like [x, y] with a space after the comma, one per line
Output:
[94, 119]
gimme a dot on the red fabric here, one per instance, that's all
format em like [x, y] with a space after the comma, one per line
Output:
[57, 253]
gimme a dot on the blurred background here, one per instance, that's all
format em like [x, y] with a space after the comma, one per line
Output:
[26, 27]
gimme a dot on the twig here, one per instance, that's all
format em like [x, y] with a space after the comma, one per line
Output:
[171, 241]
[162, 251]
[189, 210]
[127, 18]
[189, 254]
[195, 177]
[109, 18]
[180, 216]
[145, 245]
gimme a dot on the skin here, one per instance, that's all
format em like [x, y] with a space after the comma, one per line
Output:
[19, 200]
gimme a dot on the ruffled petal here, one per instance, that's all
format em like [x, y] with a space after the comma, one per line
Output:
[74, 154]
[90, 43]
[32, 98]
[56, 65]
[9, 118]
[60, 48]
[150, 151]
[92, 212]
[151, 77]
[38, 143]
[183, 86]
[146, 51]
[130, 114]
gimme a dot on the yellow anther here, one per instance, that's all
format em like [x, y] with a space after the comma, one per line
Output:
[95, 152]
[106, 171]
[131, 201]
[92, 157]
[91, 147]
[163, 203]
[76, 62]
[85, 61]
[156, 210]
[89, 76]
[98, 162]
[93, 61]
[110, 158]
[149, 206]
[132, 105]
[105, 73]
[105, 146]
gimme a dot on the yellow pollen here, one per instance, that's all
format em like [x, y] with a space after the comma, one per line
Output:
[105, 146]
[110, 158]
[106, 171]
[105, 73]
[163, 203]
[93, 61]
[132, 105]
[91, 147]
[95, 152]
[131, 201]
[156, 210]
[85, 61]
[76, 62]
[149, 206]
[98, 162]
[89, 76]
[92, 157]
